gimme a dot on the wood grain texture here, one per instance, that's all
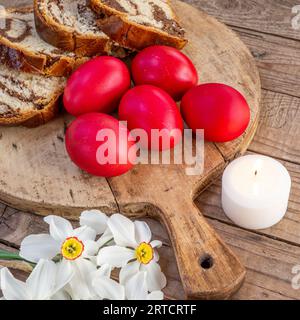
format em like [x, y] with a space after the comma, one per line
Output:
[267, 16]
[15, 3]
[277, 58]
[269, 263]
[279, 130]
[55, 185]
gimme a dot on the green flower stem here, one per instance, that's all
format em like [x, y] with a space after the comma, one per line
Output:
[9, 256]
[5, 255]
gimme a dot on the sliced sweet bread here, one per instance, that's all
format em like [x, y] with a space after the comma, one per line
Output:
[28, 99]
[71, 25]
[137, 24]
[21, 48]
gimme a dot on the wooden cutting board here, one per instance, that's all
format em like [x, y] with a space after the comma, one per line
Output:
[37, 175]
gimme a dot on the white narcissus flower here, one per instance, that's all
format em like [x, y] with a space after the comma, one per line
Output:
[45, 282]
[75, 275]
[134, 251]
[73, 246]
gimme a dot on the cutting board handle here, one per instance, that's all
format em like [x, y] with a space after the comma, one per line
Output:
[208, 268]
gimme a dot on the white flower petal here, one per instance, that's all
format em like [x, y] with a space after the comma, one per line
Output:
[12, 288]
[142, 232]
[80, 287]
[107, 288]
[129, 271]
[39, 246]
[156, 256]
[64, 274]
[115, 256]
[85, 233]
[156, 295]
[91, 248]
[123, 231]
[60, 228]
[136, 287]
[106, 238]
[94, 219]
[156, 244]
[41, 281]
[156, 280]
[103, 271]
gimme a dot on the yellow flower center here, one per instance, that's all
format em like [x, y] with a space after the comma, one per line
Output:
[72, 248]
[144, 253]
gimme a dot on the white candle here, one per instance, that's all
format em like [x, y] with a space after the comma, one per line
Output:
[255, 191]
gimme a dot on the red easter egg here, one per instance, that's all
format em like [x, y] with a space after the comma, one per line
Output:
[100, 145]
[219, 109]
[166, 68]
[97, 86]
[151, 109]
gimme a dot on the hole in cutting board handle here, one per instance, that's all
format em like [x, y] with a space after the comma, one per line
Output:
[206, 261]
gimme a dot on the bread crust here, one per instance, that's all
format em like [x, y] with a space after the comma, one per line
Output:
[66, 38]
[130, 34]
[25, 60]
[34, 118]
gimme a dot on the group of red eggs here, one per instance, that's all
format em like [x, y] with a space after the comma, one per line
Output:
[162, 76]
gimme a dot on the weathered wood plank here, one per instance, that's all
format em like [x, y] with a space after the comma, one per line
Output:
[269, 263]
[269, 16]
[2, 208]
[278, 131]
[15, 3]
[277, 58]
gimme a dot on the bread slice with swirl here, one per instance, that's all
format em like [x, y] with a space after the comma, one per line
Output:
[71, 25]
[21, 48]
[28, 99]
[136, 24]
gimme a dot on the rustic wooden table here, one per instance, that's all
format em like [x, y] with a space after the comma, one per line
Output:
[269, 255]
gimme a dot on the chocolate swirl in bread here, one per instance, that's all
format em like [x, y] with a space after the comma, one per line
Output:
[28, 99]
[137, 24]
[21, 48]
[71, 25]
